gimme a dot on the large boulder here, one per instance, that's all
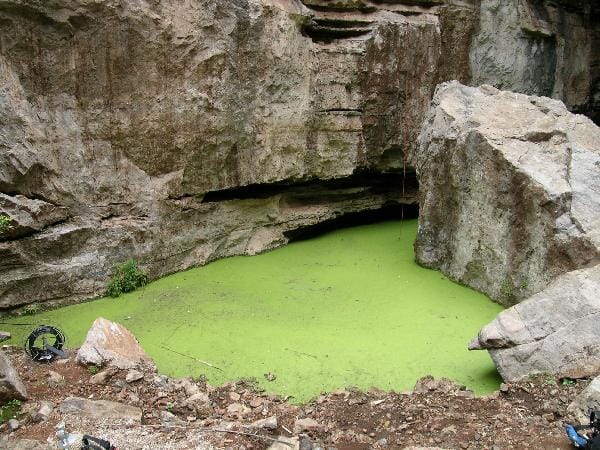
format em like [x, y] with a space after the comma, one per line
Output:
[111, 344]
[555, 331]
[510, 190]
[11, 386]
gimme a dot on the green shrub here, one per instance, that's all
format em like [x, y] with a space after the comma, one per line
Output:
[126, 277]
[5, 223]
[10, 410]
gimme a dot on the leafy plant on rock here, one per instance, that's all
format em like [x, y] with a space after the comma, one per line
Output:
[126, 277]
[5, 223]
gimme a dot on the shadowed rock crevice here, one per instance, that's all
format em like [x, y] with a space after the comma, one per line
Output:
[372, 181]
[387, 212]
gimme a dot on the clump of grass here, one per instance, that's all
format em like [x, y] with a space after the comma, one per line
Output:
[126, 277]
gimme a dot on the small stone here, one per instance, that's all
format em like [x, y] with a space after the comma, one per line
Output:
[4, 336]
[235, 396]
[306, 444]
[306, 424]
[100, 377]
[200, 397]
[43, 411]
[55, 379]
[168, 419]
[256, 402]
[237, 408]
[270, 423]
[504, 387]
[189, 387]
[13, 424]
[133, 376]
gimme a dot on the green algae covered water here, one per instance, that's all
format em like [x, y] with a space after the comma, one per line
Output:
[349, 308]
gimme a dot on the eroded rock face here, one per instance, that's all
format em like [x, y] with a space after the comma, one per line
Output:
[555, 331]
[510, 190]
[111, 344]
[176, 133]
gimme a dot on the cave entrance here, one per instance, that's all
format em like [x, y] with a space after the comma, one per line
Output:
[395, 211]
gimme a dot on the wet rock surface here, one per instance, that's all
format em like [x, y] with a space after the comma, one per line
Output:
[509, 189]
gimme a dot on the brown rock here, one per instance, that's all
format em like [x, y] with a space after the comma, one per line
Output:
[109, 343]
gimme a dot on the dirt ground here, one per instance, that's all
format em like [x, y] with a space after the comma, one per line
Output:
[527, 415]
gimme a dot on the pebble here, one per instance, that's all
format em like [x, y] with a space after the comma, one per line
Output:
[13, 424]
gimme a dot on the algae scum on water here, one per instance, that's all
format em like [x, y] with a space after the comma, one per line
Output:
[348, 308]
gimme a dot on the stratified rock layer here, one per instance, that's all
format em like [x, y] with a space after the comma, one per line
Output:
[555, 331]
[510, 190]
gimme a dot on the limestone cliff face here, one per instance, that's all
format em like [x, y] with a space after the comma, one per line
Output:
[180, 132]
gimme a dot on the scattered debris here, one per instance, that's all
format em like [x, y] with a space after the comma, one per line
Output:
[270, 376]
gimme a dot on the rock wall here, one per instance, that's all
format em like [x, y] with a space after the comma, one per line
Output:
[180, 132]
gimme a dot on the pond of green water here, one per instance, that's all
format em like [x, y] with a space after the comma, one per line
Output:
[348, 308]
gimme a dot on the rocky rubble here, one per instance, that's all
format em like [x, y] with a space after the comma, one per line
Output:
[189, 413]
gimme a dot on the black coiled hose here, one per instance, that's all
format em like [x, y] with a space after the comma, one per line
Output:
[52, 339]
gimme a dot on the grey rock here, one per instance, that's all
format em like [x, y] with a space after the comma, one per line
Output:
[7, 442]
[168, 419]
[307, 424]
[133, 376]
[4, 336]
[305, 443]
[586, 402]
[555, 331]
[189, 387]
[13, 424]
[43, 411]
[109, 343]
[55, 379]
[510, 190]
[11, 385]
[269, 423]
[237, 409]
[200, 397]
[285, 443]
[100, 409]
[101, 377]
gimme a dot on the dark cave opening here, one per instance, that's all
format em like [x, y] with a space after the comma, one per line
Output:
[392, 211]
